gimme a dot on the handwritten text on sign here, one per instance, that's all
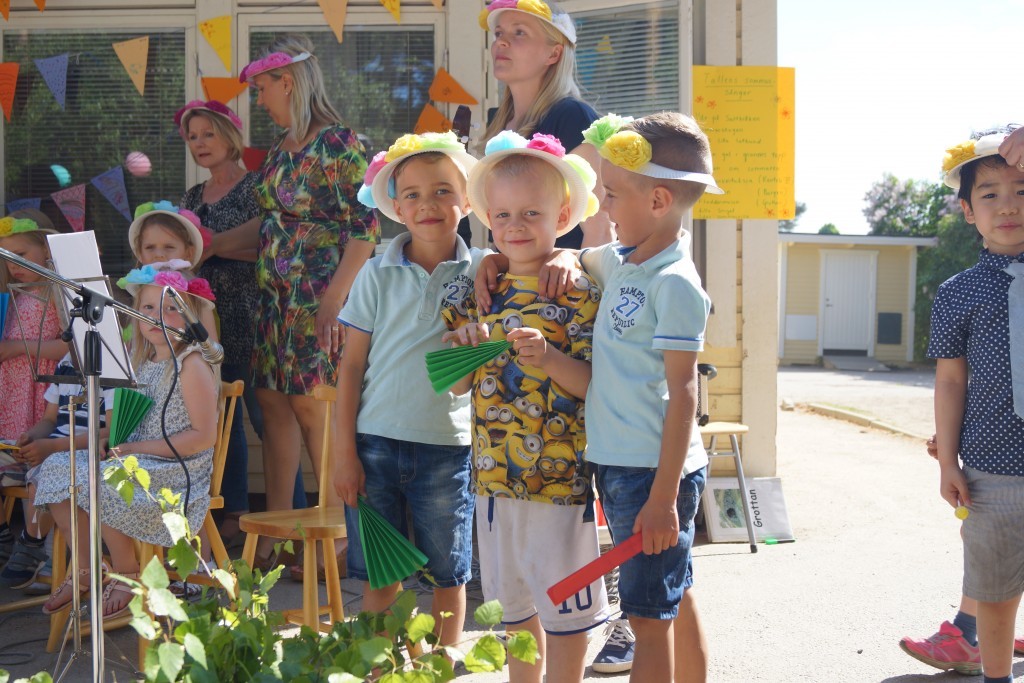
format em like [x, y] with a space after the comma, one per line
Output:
[748, 115]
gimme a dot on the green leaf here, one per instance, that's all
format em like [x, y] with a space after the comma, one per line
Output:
[176, 525]
[523, 646]
[143, 624]
[41, 677]
[420, 626]
[4, 676]
[182, 556]
[142, 476]
[487, 655]
[172, 658]
[342, 677]
[154, 575]
[195, 649]
[404, 605]
[227, 579]
[489, 614]
[375, 651]
[163, 602]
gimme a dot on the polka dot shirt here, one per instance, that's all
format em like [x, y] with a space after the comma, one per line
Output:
[970, 319]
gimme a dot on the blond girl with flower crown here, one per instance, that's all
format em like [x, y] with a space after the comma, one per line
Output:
[533, 52]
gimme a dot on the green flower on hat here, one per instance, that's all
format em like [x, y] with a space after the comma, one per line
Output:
[605, 127]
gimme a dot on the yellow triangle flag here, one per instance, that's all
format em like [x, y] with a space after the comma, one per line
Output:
[134, 56]
[217, 32]
[431, 121]
[223, 89]
[438, 4]
[395, 7]
[447, 89]
[8, 84]
[334, 12]
[5, 9]
[41, 4]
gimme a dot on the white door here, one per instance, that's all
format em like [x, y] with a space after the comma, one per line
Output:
[848, 300]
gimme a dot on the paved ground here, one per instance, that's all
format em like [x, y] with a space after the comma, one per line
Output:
[877, 555]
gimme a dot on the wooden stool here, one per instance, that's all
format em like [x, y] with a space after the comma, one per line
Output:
[732, 430]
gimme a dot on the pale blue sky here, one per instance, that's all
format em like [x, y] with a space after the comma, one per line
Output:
[886, 85]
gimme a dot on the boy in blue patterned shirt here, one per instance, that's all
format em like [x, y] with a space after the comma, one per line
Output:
[977, 418]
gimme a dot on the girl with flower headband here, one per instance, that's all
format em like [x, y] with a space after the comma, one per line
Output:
[534, 56]
[191, 426]
[23, 403]
[226, 202]
[314, 238]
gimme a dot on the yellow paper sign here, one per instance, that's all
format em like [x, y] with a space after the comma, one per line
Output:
[395, 7]
[431, 121]
[447, 89]
[217, 32]
[134, 56]
[334, 13]
[748, 115]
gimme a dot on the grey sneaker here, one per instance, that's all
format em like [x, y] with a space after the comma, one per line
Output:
[23, 567]
[39, 587]
[617, 654]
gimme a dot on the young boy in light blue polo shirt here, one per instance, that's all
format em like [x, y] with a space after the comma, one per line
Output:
[641, 432]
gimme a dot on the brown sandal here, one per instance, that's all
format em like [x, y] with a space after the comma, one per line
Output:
[117, 586]
[63, 597]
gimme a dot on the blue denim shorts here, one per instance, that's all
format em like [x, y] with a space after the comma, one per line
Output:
[650, 586]
[430, 481]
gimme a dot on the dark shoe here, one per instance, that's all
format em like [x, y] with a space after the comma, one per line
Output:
[23, 567]
[617, 654]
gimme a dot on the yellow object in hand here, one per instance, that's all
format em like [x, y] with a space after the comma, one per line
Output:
[961, 512]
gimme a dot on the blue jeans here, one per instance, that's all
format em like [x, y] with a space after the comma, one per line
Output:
[434, 482]
[650, 586]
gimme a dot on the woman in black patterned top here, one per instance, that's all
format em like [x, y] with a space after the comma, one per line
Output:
[225, 201]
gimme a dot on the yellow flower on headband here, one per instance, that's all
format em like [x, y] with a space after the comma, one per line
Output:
[11, 226]
[537, 7]
[627, 149]
[957, 155]
[407, 144]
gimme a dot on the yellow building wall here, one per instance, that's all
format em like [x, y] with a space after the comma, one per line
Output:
[803, 281]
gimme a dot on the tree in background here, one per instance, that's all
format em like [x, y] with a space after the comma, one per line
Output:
[918, 208]
[828, 229]
[790, 224]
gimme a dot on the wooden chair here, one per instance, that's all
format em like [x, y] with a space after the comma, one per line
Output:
[319, 524]
[229, 395]
[732, 430]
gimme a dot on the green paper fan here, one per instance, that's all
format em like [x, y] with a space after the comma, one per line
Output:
[389, 555]
[130, 407]
[448, 366]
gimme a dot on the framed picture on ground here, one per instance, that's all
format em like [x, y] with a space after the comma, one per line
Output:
[725, 513]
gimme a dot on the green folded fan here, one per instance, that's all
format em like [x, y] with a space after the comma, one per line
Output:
[448, 366]
[389, 555]
[130, 407]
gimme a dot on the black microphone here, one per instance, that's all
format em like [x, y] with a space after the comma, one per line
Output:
[213, 352]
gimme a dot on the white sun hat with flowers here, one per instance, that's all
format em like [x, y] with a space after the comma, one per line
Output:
[378, 190]
[561, 21]
[958, 156]
[579, 176]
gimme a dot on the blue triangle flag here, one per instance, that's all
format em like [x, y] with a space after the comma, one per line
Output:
[55, 73]
[111, 185]
[19, 204]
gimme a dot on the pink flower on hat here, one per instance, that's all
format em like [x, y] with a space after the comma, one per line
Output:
[171, 278]
[374, 166]
[546, 143]
[201, 288]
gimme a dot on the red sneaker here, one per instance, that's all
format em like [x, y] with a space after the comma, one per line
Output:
[1018, 645]
[946, 650]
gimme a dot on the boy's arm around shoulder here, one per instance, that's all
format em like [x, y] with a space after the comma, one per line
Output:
[950, 399]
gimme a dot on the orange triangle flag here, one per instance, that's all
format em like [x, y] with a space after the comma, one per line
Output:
[217, 32]
[334, 12]
[5, 9]
[438, 4]
[8, 84]
[41, 4]
[447, 89]
[134, 56]
[395, 7]
[223, 89]
[431, 121]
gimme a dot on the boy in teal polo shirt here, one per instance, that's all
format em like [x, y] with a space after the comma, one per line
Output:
[642, 398]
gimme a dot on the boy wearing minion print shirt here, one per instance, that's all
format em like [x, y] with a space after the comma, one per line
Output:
[534, 508]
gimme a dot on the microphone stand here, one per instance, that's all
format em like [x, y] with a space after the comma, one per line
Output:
[90, 306]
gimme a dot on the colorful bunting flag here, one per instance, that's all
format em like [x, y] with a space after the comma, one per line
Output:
[447, 89]
[253, 158]
[8, 84]
[438, 4]
[334, 12]
[111, 185]
[71, 203]
[41, 4]
[217, 32]
[5, 9]
[19, 204]
[395, 7]
[134, 56]
[604, 45]
[431, 121]
[223, 89]
[55, 73]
